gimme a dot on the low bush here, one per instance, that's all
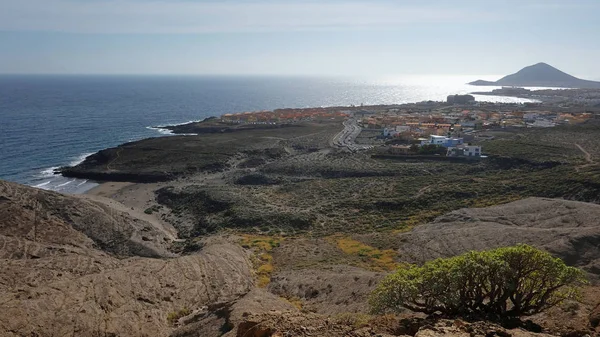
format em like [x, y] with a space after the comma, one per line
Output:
[505, 282]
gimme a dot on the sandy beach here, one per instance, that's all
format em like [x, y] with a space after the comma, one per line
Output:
[107, 189]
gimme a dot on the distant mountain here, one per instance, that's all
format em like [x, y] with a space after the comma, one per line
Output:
[541, 75]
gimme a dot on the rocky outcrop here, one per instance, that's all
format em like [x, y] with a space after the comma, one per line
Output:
[275, 324]
[73, 267]
[567, 229]
[595, 317]
[33, 220]
[331, 290]
[230, 318]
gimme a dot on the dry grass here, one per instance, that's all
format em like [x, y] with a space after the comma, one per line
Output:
[295, 301]
[371, 258]
[262, 260]
[172, 317]
[260, 242]
[356, 320]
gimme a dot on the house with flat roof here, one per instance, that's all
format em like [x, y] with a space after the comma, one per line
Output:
[442, 141]
[464, 151]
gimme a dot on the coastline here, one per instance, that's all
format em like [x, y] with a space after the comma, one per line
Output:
[209, 126]
[106, 189]
[575, 97]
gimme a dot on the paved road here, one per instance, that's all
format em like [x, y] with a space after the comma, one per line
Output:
[346, 137]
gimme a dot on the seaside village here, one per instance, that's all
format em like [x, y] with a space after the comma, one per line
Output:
[427, 128]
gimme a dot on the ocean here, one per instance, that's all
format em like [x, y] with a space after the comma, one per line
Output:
[51, 121]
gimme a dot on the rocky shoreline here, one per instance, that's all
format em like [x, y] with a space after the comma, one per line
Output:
[212, 231]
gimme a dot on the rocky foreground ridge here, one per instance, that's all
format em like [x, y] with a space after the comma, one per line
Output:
[74, 266]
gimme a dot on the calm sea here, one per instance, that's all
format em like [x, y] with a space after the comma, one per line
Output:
[51, 121]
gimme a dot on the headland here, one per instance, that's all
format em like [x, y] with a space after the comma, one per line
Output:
[256, 223]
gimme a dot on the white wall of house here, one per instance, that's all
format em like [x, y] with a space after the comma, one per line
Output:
[437, 140]
[472, 150]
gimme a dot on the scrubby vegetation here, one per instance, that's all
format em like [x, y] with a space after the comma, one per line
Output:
[152, 209]
[371, 258]
[262, 259]
[167, 158]
[505, 282]
[556, 144]
[172, 317]
[428, 149]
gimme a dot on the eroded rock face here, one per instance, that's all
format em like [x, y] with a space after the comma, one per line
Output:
[34, 221]
[595, 317]
[332, 290]
[567, 229]
[308, 324]
[459, 328]
[234, 318]
[74, 267]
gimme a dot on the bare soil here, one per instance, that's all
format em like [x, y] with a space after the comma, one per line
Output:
[567, 229]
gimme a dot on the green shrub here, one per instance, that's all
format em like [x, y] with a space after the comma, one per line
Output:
[432, 149]
[152, 209]
[505, 282]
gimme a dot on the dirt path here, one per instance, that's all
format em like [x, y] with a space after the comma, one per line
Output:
[422, 191]
[588, 158]
[114, 160]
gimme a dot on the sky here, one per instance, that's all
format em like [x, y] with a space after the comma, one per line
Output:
[298, 37]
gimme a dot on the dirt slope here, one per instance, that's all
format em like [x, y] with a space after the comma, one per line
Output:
[34, 219]
[72, 267]
[567, 229]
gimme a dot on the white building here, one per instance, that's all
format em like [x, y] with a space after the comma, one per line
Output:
[435, 140]
[472, 150]
[389, 132]
[542, 123]
[464, 151]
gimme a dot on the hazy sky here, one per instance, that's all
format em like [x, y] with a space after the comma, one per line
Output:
[329, 37]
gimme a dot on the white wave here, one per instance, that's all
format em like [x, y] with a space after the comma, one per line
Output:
[81, 183]
[79, 159]
[177, 124]
[48, 172]
[64, 184]
[160, 130]
[168, 132]
[42, 184]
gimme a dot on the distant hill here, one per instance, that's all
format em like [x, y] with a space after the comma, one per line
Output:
[541, 75]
